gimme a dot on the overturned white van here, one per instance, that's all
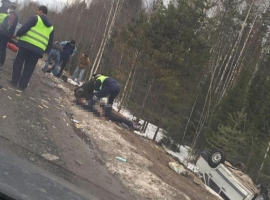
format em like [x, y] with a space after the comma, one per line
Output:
[226, 180]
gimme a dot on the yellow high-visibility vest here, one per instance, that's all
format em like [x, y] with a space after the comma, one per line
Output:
[2, 17]
[101, 78]
[38, 35]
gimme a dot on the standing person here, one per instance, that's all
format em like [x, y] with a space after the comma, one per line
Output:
[7, 34]
[53, 54]
[4, 20]
[84, 63]
[36, 37]
[4, 29]
[69, 50]
[105, 86]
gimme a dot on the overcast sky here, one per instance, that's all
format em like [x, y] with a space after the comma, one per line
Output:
[46, 2]
[51, 2]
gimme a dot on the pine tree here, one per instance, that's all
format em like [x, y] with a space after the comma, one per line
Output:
[231, 136]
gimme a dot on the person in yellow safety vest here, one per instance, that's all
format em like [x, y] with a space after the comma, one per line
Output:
[4, 17]
[105, 86]
[35, 38]
[8, 23]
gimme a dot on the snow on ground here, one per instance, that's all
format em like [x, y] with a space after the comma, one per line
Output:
[183, 156]
[151, 129]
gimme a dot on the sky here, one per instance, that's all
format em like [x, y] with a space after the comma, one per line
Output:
[50, 2]
[45, 2]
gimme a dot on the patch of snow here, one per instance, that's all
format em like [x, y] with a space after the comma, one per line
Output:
[183, 157]
[151, 129]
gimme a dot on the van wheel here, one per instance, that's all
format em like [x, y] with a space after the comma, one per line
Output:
[216, 158]
[261, 197]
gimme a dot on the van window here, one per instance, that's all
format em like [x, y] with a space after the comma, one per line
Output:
[214, 186]
[224, 196]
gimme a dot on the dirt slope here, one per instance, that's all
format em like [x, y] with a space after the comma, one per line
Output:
[38, 121]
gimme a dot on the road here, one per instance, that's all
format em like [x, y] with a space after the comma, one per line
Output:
[37, 122]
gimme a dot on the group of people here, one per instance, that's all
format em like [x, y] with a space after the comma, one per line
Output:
[35, 38]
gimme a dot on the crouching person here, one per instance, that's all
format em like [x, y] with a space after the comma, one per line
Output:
[84, 92]
[104, 86]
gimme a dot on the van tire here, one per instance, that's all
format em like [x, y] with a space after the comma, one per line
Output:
[261, 196]
[216, 158]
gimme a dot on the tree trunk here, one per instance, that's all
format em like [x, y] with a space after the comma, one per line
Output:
[144, 124]
[103, 40]
[148, 92]
[108, 35]
[127, 82]
[265, 156]
[234, 49]
[131, 85]
[96, 27]
[240, 56]
[155, 136]
[145, 127]
[249, 156]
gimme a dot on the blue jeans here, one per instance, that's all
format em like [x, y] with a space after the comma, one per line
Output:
[77, 72]
[56, 55]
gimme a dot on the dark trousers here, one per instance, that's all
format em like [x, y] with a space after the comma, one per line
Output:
[111, 89]
[22, 75]
[3, 46]
[64, 59]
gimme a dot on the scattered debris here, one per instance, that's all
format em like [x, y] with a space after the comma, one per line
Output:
[79, 125]
[180, 169]
[32, 98]
[40, 106]
[18, 91]
[49, 157]
[44, 101]
[121, 159]
[46, 119]
[75, 121]
[78, 162]
[196, 181]
[44, 106]
[32, 159]
[9, 97]
[4, 89]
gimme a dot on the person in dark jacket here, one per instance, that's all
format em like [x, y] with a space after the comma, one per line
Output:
[69, 50]
[35, 38]
[53, 54]
[8, 23]
[105, 86]
[85, 91]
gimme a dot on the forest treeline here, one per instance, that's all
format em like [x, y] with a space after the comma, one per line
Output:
[197, 69]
